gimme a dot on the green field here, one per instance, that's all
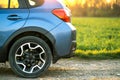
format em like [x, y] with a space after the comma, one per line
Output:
[97, 35]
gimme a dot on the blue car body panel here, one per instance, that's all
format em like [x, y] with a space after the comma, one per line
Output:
[10, 26]
[37, 19]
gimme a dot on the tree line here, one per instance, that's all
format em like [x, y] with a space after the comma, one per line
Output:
[96, 9]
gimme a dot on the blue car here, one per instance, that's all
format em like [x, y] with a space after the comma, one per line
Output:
[35, 33]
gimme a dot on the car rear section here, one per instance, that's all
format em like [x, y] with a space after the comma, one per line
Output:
[55, 19]
[46, 36]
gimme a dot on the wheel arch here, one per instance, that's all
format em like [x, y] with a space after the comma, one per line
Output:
[31, 31]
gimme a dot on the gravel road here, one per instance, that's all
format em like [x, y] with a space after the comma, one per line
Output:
[73, 69]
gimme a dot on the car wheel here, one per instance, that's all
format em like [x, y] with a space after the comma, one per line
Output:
[30, 56]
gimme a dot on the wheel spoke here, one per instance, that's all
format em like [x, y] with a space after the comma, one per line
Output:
[24, 66]
[32, 48]
[40, 55]
[21, 52]
[34, 68]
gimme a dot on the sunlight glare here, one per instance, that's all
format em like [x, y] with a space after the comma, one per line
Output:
[32, 2]
[70, 2]
[108, 1]
[83, 2]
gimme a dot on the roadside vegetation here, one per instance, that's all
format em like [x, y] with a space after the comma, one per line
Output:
[97, 37]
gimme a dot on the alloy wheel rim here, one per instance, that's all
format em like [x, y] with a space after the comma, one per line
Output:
[30, 57]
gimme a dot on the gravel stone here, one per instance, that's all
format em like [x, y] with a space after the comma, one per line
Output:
[72, 69]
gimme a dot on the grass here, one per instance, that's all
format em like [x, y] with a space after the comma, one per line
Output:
[97, 37]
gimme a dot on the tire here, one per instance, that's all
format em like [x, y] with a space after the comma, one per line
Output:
[30, 57]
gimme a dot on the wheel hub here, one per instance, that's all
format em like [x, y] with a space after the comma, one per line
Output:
[29, 58]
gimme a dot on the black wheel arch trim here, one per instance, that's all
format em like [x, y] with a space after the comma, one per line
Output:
[29, 29]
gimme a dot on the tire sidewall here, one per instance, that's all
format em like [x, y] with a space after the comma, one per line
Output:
[21, 41]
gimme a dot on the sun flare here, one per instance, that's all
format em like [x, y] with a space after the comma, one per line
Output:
[69, 2]
[108, 1]
[82, 2]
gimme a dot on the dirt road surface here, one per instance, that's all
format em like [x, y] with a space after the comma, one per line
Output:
[73, 69]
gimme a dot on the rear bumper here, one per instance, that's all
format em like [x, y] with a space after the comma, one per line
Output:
[72, 50]
[65, 36]
[73, 44]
